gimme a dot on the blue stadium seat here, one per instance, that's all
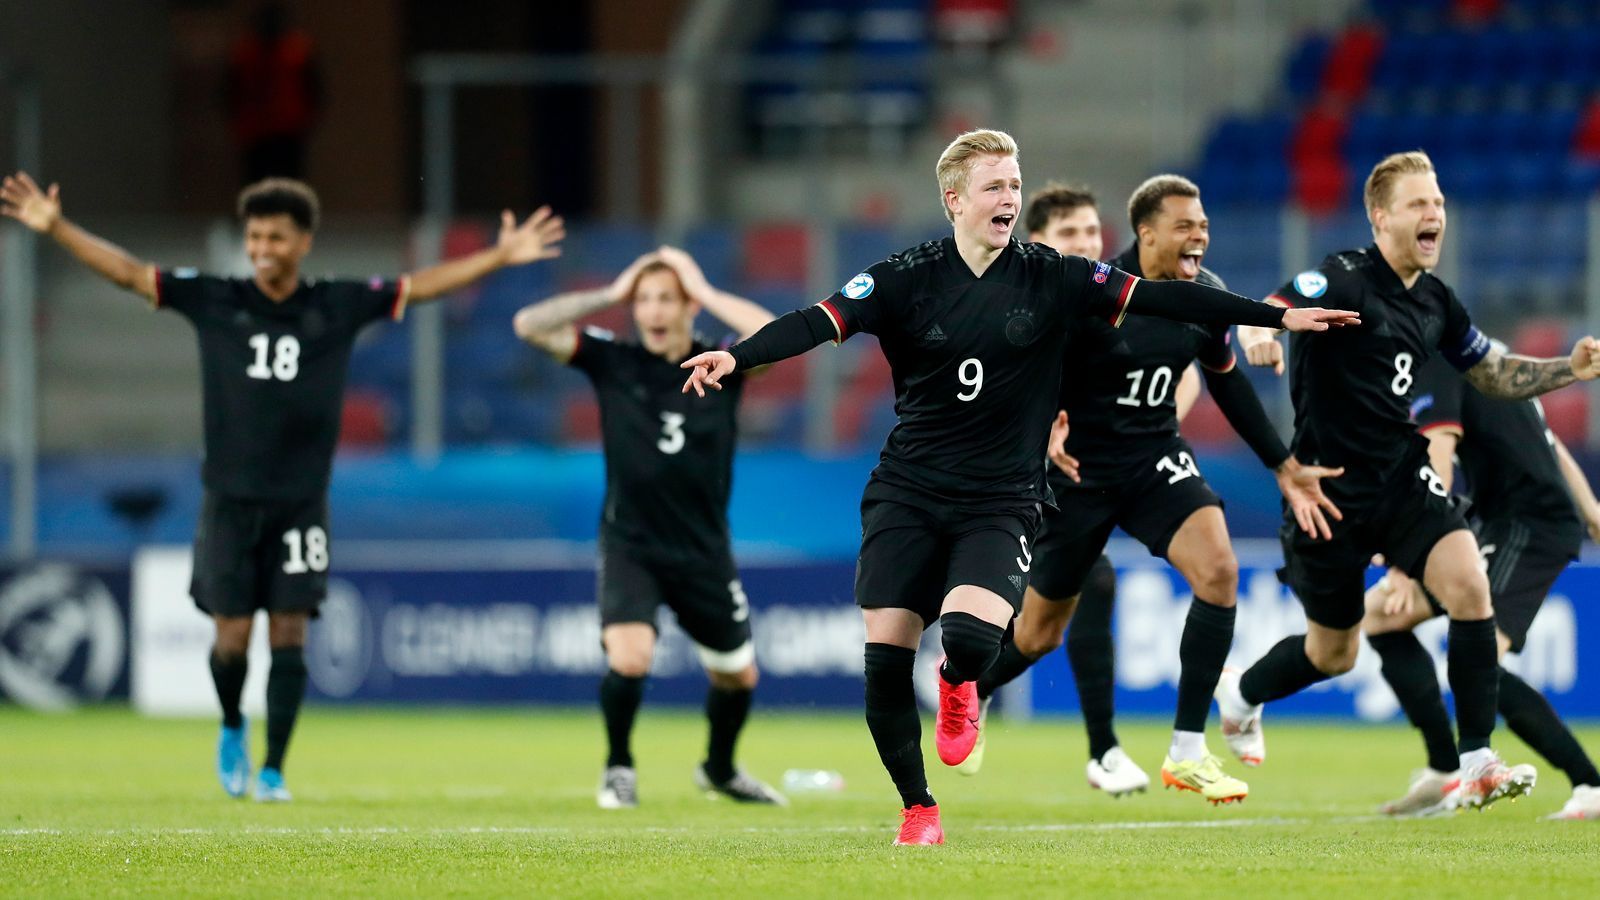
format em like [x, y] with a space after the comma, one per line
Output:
[1303, 74]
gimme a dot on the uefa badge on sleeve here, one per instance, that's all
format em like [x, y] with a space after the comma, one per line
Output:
[1101, 272]
[859, 287]
[1311, 285]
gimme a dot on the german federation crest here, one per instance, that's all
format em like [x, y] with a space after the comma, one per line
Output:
[1312, 284]
[859, 287]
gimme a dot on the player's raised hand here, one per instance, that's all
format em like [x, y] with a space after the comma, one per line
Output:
[1261, 347]
[1586, 359]
[622, 286]
[708, 368]
[22, 199]
[695, 283]
[1057, 452]
[1301, 485]
[1318, 319]
[534, 239]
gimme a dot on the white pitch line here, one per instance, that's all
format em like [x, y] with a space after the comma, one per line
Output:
[374, 831]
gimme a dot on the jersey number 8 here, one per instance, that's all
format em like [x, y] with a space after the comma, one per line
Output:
[1403, 378]
[285, 360]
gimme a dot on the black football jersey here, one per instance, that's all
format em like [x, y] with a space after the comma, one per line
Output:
[1118, 386]
[976, 362]
[669, 455]
[1352, 386]
[272, 374]
[1507, 452]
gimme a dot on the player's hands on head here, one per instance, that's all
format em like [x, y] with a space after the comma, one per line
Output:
[1058, 454]
[1586, 359]
[534, 239]
[694, 281]
[622, 286]
[22, 199]
[1301, 485]
[1319, 319]
[707, 369]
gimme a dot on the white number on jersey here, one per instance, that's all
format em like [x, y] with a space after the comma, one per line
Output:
[741, 603]
[1181, 466]
[972, 379]
[671, 433]
[1160, 382]
[285, 360]
[1435, 483]
[1402, 374]
[1025, 561]
[311, 556]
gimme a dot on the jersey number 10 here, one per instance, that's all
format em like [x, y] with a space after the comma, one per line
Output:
[1160, 381]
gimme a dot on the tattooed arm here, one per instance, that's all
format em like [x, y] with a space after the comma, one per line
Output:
[1502, 374]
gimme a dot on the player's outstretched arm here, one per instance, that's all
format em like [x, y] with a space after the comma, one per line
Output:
[1578, 485]
[1241, 406]
[742, 316]
[22, 199]
[1512, 375]
[1188, 301]
[548, 323]
[1301, 486]
[790, 334]
[533, 240]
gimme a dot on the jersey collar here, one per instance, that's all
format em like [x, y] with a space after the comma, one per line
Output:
[953, 256]
[1385, 276]
[1129, 261]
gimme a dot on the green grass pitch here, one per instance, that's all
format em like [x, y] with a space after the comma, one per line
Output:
[457, 802]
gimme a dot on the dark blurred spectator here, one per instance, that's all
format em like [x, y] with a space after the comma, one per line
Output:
[274, 95]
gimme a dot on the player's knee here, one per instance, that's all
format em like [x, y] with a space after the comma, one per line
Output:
[743, 680]
[233, 636]
[1464, 593]
[287, 630]
[1216, 579]
[630, 659]
[1040, 638]
[1335, 658]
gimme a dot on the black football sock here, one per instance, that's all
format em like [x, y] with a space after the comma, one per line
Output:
[1093, 660]
[1207, 638]
[726, 710]
[1285, 670]
[286, 687]
[1474, 669]
[1006, 667]
[970, 646]
[1409, 670]
[1529, 716]
[227, 673]
[619, 706]
[893, 720]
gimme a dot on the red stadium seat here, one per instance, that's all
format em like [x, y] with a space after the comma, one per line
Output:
[1541, 337]
[1567, 413]
[1351, 62]
[1321, 184]
[1586, 141]
[777, 255]
[580, 419]
[364, 423]
[1206, 425]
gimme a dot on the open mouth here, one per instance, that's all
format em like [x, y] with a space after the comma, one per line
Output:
[1428, 241]
[656, 335]
[1003, 221]
[1189, 264]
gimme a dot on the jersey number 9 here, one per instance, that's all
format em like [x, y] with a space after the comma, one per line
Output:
[970, 374]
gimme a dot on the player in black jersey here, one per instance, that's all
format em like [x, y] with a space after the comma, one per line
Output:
[273, 353]
[1523, 484]
[1351, 400]
[973, 326]
[664, 527]
[1138, 473]
[1067, 219]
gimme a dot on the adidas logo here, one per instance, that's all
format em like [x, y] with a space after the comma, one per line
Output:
[1016, 581]
[933, 335]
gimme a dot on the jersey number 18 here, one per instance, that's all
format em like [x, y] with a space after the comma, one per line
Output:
[285, 360]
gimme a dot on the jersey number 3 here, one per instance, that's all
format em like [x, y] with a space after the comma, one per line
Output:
[671, 433]
[285, 359]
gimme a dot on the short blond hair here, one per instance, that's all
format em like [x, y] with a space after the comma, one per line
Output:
[955, 163]
[1380, 184]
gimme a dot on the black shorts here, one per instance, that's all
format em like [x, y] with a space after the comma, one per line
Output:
[1523, 563]
[915, 550]
[260, 554]
[1150, 506]
[1329, 576]
[706, 597]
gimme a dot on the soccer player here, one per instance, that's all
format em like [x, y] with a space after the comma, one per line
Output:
[1351, 400]
[1067, 219]
[1138, 473]
[973, 326]
[274, 349]
[1523, 484]
[664, 527]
